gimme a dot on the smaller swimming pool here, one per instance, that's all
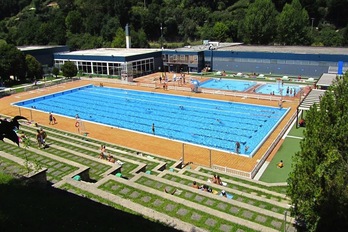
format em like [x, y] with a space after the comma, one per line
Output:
[275, 89]
[233, 85]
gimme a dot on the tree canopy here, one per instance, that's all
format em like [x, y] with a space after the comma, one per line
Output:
[69, 69]
[318, 184]
[95, 23]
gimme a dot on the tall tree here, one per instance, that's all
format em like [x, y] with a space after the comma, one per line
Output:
[259, 23]
[34, 68]
[69, 69]
[293, 25]
[318, 184]
[12, 63]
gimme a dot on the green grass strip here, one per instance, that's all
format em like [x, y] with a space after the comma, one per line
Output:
[169, 208]
[219, 205]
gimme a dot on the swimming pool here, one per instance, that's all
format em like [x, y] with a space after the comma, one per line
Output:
[241, 86]
[284, 90]
[223, 84]
[209, 123]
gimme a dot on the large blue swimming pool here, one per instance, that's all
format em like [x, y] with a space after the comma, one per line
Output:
[209, 123]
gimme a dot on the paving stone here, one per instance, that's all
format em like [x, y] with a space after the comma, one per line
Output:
[234, 210]
[210, 222]
[114, 187]
[134, 194]
[188, 195]
[240, 199]
[182, 182]
[248, 214]
[275, 209]
[196, 217]
[222, 206]
[52, 163]
[125, 191]
[45, 161]
[201, 177]
[235, 187]
[173, 179]
[157, 202]
[193, 175]
[159, 185]
[261, 219]
[100, 166]
[57, 173]
[66, 168]
[209, 202]
[58, 165]
[262, 206]
[240, 230]
[146, 199]
[226, 228]
[182, 212]
[198, 198]
[251, 202]
[39, 158]
[149, 183]
[276, 224]
[170, 207]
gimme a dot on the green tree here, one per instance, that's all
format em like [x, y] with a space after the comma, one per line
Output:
[69, 69]
[34, 68]
[220, 32]
[55, 71]
[293, 25]
[12, 63]
[318, 184]
[73, 22]
[119, 40]
[259, 23]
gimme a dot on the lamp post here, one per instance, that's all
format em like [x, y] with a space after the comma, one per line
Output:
[161, 36]
[312, 24]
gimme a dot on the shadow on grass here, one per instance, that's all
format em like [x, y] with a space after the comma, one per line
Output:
[34, 208]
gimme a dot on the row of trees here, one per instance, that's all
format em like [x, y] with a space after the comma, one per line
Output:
[100, 23]
[15, 67]
[318, 184]
[13, 63]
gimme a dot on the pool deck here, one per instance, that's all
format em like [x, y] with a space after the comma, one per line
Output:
[149, 143]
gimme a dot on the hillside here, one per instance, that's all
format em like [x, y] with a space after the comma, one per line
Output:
[100, 23]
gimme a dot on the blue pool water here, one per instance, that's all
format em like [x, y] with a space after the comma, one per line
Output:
[278, 89]
[209, 123]
[223, 84]
[241, 86]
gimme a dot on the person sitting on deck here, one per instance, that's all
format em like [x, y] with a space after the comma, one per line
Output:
[195, 185]
[280, 164]
[302, 123]
[218, 180]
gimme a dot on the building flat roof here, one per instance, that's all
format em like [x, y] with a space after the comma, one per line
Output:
[124, 52]
[326, 79]
[287, 49]
[30, 48]
[239, 47]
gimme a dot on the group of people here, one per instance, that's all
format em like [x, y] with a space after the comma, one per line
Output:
[216, 179]
[208, 189]
[41, 138]
[52, 119]
[107, 156]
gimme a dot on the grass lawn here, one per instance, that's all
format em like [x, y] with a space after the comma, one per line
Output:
[273, 174]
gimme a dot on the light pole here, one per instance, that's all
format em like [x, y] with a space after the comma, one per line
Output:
[161, 36]
[312, 24]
